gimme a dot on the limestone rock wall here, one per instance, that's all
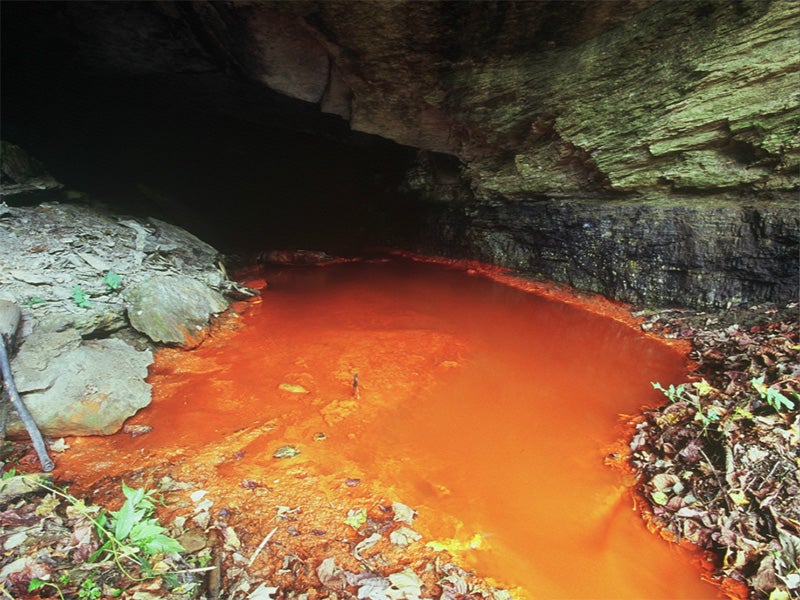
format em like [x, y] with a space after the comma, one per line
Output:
[683, 96]
[670, 128]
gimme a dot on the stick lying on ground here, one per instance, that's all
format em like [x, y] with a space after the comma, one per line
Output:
[9, 322]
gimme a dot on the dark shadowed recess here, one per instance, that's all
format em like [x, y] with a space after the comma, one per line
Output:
[238, 165]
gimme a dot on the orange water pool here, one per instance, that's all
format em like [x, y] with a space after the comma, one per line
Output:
[489, 409]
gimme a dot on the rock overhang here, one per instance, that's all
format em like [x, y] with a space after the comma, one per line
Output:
[533, 101]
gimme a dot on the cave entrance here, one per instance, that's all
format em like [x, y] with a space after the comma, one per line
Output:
[489, 410]
[239, 165]
[268, 173]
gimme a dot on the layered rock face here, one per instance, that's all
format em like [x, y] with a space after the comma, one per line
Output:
[88, 283]
[645, 150]
[680, 251]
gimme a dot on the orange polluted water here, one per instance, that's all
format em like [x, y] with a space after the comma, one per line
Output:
[488, 409]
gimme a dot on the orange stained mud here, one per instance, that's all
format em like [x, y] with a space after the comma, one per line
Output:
[487, 408]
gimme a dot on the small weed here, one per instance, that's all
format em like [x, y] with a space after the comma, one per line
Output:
[80, 297]
[37, 583]
[89, 590]
[772, 396]
[673, 393]
[707, 418]
[201, 560]
[113, 281]
[679, 392]
[33, 301]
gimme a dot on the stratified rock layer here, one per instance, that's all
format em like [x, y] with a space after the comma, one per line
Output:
[686, 96]
[672, 106]
[681, 252]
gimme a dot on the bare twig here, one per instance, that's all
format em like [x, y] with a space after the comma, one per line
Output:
[261, 546]
[719, 479]
[9, 322]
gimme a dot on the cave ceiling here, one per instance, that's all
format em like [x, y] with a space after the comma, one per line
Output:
[553, 98]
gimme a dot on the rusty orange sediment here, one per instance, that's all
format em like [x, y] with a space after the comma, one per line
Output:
[489, 404]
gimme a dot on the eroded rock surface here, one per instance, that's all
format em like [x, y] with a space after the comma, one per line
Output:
[78, 272]
[80, 387]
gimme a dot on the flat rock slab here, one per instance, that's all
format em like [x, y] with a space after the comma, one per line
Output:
[73, 386]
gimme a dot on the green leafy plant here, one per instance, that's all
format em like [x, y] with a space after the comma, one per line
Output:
[679, 392]
[36, 583]
[201, 560]
[708, 417]
[80, 297]
[89, 590]
[113, 281]
[133, 531]
[674, 393]
[772, 396]
[33, 301]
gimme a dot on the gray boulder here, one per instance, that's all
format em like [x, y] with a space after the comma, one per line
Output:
[79, 387]
[173, 309]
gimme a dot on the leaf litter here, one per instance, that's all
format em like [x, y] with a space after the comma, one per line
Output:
[49, 542]
[720, 462]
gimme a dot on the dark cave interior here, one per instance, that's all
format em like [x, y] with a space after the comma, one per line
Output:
[240, 166]
[251, 124]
